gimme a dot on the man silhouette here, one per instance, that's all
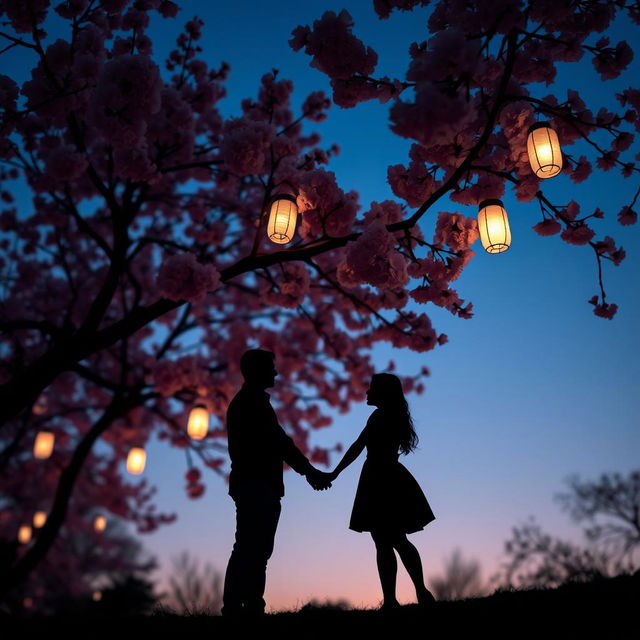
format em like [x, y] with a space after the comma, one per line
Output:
[258, 446]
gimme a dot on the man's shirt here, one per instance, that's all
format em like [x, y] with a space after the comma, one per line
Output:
[258, 445]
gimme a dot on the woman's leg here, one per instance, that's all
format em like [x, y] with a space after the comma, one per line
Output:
[411, 560]
[387, 566]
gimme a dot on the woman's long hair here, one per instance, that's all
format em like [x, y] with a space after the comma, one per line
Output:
[390, 389]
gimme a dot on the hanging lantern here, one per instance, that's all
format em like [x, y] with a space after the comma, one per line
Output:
[136, 460]
[24, 534]
[198, 424]
[100, 523]
[283, 214]
[543, 147]
[39, 518]
[493, 225]
[96, 596]
[43, 446]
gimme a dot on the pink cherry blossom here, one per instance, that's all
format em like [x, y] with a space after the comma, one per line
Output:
[335, 50]
[582, 170]
[127, 93]
[455, 230]
[603, 310]
[384, 7]
[578, 235]
[324, 206]
[547, 227]
[412, 184]
[292, 287]
[374, 260]
[182, 277]
[244, 145]
[609, 62]
[627, 216]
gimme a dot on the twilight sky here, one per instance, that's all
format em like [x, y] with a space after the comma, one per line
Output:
[533, 388]
[530, 390]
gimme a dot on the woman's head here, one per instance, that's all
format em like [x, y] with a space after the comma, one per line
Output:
[385, 389]
[385, 392]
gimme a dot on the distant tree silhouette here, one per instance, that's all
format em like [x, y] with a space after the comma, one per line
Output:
[610, 505]
[461, 579]
[128, 596]
[194, 589]
[326, 605]
[611, 508]
[81, 561]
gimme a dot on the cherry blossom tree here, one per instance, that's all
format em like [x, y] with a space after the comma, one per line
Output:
[142, 271]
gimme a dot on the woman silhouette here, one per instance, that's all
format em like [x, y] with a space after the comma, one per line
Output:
[389, 502]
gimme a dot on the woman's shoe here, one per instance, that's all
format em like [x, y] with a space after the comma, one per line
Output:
[426, 598]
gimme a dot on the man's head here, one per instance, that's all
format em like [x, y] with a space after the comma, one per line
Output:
[258, 367]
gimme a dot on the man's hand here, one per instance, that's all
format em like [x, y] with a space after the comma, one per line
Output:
[319, 480]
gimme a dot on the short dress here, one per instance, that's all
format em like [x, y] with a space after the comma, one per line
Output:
[388, 497]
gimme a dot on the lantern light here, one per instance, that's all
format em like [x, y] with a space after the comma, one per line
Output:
[198, 424]
[24, 534]
[43, 446]
[100, 523]
[493, 225]
[283, 214]
[96, 596]
[136, 460]
[543, 147]
[39, 518]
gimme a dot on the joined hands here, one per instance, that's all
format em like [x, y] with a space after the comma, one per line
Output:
[320, 480]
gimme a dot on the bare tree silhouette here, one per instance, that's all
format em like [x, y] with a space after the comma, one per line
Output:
[194, 590]
[461, 579]
[610, 506]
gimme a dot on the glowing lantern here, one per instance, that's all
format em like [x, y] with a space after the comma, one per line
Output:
[198, 424]
[43, 446]
[493, 225]
[97, 596]
[39, 518]
[544, 152]
[24, 534]
[27, 603]
[100, 523]
[283, 214]
[136, 460]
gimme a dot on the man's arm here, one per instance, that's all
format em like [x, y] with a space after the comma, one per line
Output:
[299, 462]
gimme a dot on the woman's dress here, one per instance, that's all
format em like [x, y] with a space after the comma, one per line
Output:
[388, 497]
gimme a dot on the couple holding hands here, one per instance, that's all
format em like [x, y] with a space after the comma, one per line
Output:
[388, 503]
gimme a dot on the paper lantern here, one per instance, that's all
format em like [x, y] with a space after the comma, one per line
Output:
[39, 518]
[493, 225]
[96, 596]
[43, 446]
[283, 214]
[136, 460]
[198, 424]
[24, 534]
[100, 523]
[543, 147]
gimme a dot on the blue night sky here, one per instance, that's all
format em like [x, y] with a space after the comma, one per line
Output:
[530, 390]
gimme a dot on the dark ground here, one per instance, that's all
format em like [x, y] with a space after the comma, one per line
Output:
[603, 609]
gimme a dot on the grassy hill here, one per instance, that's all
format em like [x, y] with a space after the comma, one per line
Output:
[603, 609]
